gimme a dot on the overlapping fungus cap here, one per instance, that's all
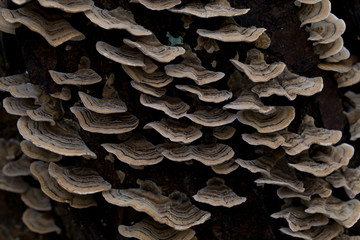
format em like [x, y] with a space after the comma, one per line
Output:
[66, 6]
[55, 32]
[299, 220]
[224, 132]
[348, 178]
[149, 229]
[270, 122]
[175, 130]
[104, 105]
[175, 211]
[225, 167]
[248, 100]
[150, 46]
[155, 79]
[172, 106]
[13, 184]
[341, 67]
[48, 112]
[216, 193]
[322, 161]
[208, 44]
[39, 222]
[326, 232]
[19, 106]
[272, 140]
[289, 85]
[137, 151]
[211, 117]
[191, 68]
[328, 49]
[78, 180]
[12, 80]
[125, 55]
[348, 78]
[327, 30]
[313, 186]
[257, 69]
[117, 18]
[26, 90]
[312, 13]
[63, 138]
[207, 154]
[9, 150]
[83, 76]
[53, 190]
[215, 8]
[112, 123]
[19, 167]
[34, 198]
[6, 26]
[345, 213]
[20, 2]
[63, 94]
[343, 54]
[147, 89]
[157, 5]
[230, 31]
[34, 152]
[207, 93]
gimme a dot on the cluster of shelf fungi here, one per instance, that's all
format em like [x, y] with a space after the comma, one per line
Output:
[305, 164]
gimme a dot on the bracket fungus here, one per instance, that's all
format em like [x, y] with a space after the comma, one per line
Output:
[35, 199]
[211, 117]
[104, 105]
[72, 7]
[157, 5]
[39, 222]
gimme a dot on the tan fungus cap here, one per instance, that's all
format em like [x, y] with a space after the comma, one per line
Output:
[211, 117]
[157, 4]
[145, 88]
[225, 167]
[207, 93]
[155, 79]
[18, 106]
[13, 80]
[73, 7]
[104, 105]
[312, 13]
[34, 152]
[39, 222]
[326, 232]
[34, 198]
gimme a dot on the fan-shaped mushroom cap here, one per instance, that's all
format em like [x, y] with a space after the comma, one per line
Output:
[19, 167]
[64, 94]
[215, 8]
[34, 198]
[155, 79]
[80, 77]
[144, 88]
[137, 151]
[20, 2]
[124, 54]
[39, 222]
[289, 85]
[208, 44]
[343, 54]
[171, 106]
[311, 13]
[55, 32]
[327, 30]
[63, 138]
[34, 152]
[175, 130]
[151, 230]
[257, 69]
[207, 154]
[13, 184]
[230, 31]
[271, 122]
[313, 186]
[78, 180]
[345, 213]
[18, 106]
[206, 93]
[323, 161]
[6, 26]
[326, 232]
[211, 117]
[53, 190]
[114, 123]
[66, 6]
[249, 101]
[105, 105]
[343, 236]
[191, 68]
[158, 4]
[328, 49]
[224, 132]
[150, 46]
[13, 80]
[175, 211]
[26, 90]
[225, 167]
[340, 67]
[348, 78]
[216, 193]
[272, 140]
[117, 18]
[48, 112]
[349, 179]
[306, 2]
[299, 220]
